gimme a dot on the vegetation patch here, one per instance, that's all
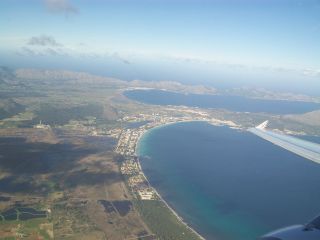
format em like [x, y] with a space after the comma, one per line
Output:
[163, 222]
[108, 208]
[123, 207]
[62, 115]
[37, 228]
[9, 108]
[22, 214]
[4, 199]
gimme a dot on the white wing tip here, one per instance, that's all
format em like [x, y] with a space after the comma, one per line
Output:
[263, 125]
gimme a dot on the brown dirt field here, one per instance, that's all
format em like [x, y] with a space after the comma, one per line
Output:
[75, 209]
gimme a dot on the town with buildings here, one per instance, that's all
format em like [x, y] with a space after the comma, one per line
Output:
[130, 167]
[128, 139]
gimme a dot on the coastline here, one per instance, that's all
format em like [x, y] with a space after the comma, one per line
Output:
[180, 219]
[134, 145]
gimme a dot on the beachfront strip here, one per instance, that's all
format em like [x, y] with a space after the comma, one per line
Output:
[161, 218]
[128, 140]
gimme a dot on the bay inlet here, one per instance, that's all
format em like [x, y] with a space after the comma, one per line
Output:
[228, 184]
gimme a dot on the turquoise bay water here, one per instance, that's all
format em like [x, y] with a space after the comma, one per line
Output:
[232, 103]
[229, 184]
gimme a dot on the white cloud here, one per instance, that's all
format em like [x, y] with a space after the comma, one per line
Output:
[33, 52]
[42, 45]
[311, 72]
[61, 6]
[43, 40]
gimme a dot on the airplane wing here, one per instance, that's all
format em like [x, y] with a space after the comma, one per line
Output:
[303, 148]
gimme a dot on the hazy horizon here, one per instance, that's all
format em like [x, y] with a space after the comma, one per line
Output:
[269, 44]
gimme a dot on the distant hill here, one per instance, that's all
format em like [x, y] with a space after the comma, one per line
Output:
[310, 118]
[173, 86]
[51, 77]
[262, 93]
[65, 77]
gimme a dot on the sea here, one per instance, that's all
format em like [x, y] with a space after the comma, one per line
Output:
[229, 184]
[232, 103]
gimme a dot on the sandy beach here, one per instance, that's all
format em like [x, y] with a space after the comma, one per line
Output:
[159, 196]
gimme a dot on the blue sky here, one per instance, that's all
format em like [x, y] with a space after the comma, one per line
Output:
[269, 36]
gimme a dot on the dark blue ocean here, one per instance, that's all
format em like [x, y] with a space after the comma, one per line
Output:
[228, 184]
[232, 103]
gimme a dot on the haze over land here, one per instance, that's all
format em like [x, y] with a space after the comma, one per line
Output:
[270, 44]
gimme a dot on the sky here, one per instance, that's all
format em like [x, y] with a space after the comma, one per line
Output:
[227, 43]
